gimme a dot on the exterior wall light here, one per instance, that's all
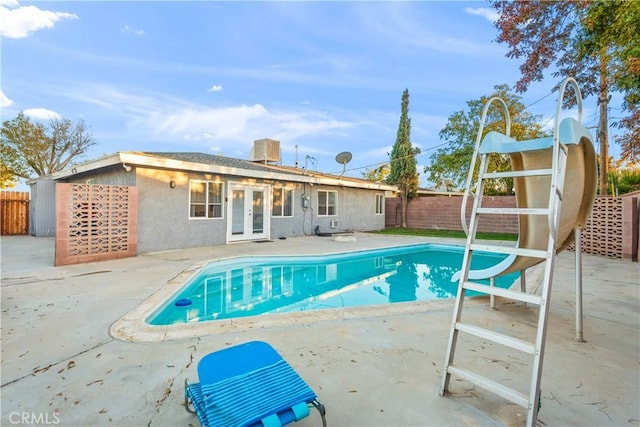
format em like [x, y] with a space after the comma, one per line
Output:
[172, 184]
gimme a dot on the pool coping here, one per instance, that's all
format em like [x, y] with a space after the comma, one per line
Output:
[132, 326]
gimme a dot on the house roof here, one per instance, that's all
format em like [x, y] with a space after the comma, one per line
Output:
[211, 163]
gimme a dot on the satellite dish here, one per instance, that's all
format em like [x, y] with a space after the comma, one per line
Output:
[343, 158]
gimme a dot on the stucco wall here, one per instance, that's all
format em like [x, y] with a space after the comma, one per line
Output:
[163, 212]
[114, 175]
[356, 212]
[163, 222]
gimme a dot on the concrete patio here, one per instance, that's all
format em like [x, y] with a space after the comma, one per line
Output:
[61, 365]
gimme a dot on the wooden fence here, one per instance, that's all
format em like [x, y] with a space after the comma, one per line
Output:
[14, 212]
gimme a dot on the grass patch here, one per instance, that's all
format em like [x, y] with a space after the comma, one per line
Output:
[456, 234]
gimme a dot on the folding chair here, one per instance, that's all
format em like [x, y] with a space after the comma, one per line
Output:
[249, 385]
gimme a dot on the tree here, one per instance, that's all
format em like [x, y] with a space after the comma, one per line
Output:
[449, 166]
[574, 36]
[403, 171]
[614, 26]
[378, 174]
[29, 148]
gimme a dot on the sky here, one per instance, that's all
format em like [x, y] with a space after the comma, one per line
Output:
[212, 77]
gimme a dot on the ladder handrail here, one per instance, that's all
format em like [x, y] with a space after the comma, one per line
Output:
[476, 149]
[536, 347]
[556, 148]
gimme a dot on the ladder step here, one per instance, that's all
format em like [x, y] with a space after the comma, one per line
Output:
[517, 174]
[514, 211]
[535, 253]
[493, 386]
[504, 293]
[496, 337]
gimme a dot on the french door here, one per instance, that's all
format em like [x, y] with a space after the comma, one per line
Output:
[248, 212]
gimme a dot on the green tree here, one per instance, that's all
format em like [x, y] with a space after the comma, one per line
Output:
[403, 171]
[624, 180]
[594, 41]
[449, 165]
[31, 150]
[378, 174]
[613, 26]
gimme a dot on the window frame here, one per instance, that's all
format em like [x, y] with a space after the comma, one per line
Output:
[283, 190]
[207, 204]
[327, 205]
[379, 204]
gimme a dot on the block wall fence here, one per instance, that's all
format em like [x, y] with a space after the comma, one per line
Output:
[613, 229]
[95, 223]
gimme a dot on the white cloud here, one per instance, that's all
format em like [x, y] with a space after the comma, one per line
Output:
[215, 88]
[130, 30]
[201, 123]
[489, 14]
[4, 100]
[20, 22]
[229, 129]
[232, 129]
[41, 113]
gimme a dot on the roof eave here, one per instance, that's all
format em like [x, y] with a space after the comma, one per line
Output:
[139, 159]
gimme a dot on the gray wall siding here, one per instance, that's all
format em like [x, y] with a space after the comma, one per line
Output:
[297, 225]
[356, 210]
[114, 176]
[42, 208]
[163, 213]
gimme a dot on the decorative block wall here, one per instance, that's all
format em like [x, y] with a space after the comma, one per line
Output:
[613, 228]
[95, 222]
[602, 234]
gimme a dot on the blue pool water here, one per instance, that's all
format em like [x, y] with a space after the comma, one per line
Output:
[274, 284]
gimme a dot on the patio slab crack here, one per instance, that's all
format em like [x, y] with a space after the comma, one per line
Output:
[66, 360]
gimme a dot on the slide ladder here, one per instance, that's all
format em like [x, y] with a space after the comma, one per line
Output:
[554, 177]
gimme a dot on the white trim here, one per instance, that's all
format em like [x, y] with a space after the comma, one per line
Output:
[206, 204]
[318, 200]
[293, 196]
[381, 196]
[266, 224]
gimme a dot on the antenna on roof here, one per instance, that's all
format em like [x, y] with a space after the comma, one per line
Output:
[343, 158]
[311, 159]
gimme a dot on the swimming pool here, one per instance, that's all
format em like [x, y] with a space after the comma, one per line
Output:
[251, 286]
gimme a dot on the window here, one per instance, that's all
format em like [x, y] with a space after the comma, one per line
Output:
[327, 203]
[282, 202]
[205, 199]
[379, 204]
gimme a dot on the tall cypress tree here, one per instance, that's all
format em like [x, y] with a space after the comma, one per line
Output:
[403, 172]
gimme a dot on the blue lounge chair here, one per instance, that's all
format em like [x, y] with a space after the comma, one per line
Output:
[249, 385]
